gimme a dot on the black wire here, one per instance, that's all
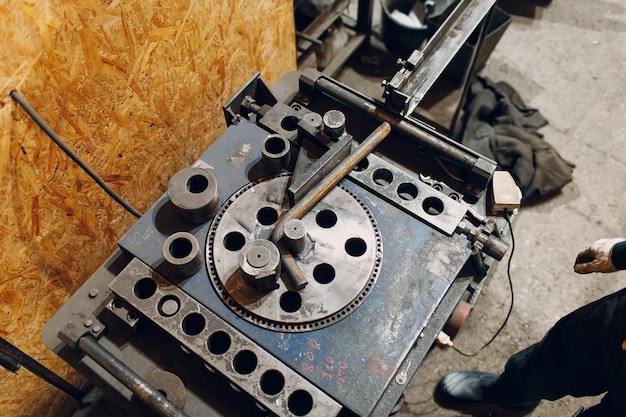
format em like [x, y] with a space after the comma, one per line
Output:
[17, 97]
[508, 314]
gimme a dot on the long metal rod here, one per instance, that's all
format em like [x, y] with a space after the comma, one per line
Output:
[137, 385]
[18, 358]
[19, 99]
[462, 157]
[318, 192]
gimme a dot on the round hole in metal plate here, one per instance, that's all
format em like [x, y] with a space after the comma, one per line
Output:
[290, 301]
[145, 288]
[326, 219]
[382, 177]
[193, 324]
[324, 273]
[300, 403]
[219, 342]
[267, 216]
[272, 382]
[245, 362]
[407, 191]
[234, 241]
[355, 246]
[433, 206]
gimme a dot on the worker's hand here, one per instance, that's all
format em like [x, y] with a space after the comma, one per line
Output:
[596, 257]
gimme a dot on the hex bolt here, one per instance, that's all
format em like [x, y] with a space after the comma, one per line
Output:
[96, 328]
[259, 261]
[93, 293]
[88, 323]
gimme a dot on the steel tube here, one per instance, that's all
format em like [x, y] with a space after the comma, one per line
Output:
[137, 385]
[461, 158]
[19, 99]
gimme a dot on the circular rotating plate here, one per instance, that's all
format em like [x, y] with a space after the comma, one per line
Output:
[341, 260]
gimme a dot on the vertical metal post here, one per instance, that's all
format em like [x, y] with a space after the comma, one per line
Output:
[469, 73]
[364, 16]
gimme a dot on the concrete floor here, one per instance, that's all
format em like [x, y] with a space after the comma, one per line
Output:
[568, 60]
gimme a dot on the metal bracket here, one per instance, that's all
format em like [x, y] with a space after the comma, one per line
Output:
[423, 68]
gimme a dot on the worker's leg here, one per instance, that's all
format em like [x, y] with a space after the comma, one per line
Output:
[581, 355]
[577, 357]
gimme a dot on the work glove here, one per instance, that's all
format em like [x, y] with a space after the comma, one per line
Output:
[596, 257]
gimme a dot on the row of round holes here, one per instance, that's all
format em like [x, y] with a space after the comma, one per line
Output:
[406, 191]
[272, 382]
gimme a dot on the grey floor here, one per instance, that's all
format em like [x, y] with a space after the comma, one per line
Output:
[568, 61]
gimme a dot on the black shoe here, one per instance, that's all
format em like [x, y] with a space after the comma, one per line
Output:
[469, 389]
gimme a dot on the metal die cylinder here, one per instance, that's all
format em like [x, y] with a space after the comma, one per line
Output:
[276, 151]
[295, 235]
[334, 123]
[181, 252]
[259, 261]
[193, 191]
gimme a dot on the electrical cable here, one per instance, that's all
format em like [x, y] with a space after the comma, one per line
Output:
[508, 314]
[18, 98]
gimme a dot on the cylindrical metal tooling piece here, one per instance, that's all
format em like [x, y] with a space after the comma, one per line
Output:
[137, 385]
[181, 252]
[276, 151]
[193, 191]
[495, 247]
[259, 261]
[295, 235]
[334, 123]
[314, 120]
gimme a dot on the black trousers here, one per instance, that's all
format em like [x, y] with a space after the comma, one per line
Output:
[584, 354]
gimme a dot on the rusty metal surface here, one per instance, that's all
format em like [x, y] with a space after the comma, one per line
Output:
[409, 86]
[353, 335]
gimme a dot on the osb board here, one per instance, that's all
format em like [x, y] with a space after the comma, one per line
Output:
[135, 88]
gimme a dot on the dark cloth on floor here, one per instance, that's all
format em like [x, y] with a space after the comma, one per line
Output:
[499, 126]
[584, 354]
